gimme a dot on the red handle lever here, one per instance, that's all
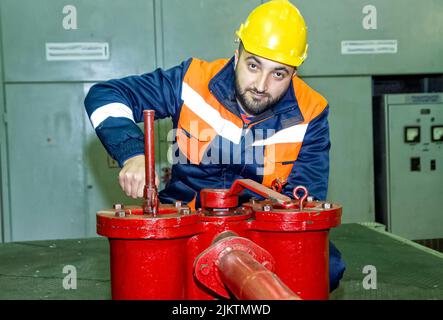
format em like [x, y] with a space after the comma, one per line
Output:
[150, 204]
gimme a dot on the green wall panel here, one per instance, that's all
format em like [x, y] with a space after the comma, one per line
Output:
[145, 34]
[127, 26]
[416, 26]
[4, 209]
[47, 186]
[202, 29]
[351, 181]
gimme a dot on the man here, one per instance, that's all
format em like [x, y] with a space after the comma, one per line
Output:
[249, 117]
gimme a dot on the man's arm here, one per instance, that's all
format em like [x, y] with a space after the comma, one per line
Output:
[311, 169]
[115, 106]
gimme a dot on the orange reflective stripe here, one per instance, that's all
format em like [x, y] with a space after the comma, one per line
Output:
[200, 125]
[194, 125]
[276, 156]
[199, 75]
[282, 152]
[310, 102]
[281, 171]
[191, 147]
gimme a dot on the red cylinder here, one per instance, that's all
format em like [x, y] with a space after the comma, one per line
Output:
[211, 227]
[298, 241]
[148, 269]
[153, 257]
[148, 254]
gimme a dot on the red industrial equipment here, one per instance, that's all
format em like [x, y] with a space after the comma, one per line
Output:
[276, 248]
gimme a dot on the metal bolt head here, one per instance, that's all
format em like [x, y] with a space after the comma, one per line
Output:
[327, 205]
[204, 268]
[267, 208]
[310, 199]
[120, 214]
[178, 204]
[185, 211]
[118, 206]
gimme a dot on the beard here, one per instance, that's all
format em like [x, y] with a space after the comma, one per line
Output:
[252, 105]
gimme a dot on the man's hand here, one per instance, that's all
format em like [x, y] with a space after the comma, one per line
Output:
[132, 177]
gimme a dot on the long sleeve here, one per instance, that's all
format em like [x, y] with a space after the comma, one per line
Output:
[115, 106]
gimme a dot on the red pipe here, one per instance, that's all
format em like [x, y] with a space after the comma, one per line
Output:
[249, 280]
[150, 204]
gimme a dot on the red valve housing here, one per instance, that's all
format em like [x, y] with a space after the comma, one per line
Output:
[167, 252]
[154, 257]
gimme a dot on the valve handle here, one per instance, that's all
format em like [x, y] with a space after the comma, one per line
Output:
[278, 184]
[300, 199]
[241, 184]
[150, 203]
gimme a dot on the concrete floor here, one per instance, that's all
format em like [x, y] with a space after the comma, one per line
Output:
[34, 270]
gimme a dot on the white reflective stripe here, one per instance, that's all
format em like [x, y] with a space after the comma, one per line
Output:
[288, 135]
[200, 107]
[116, 110]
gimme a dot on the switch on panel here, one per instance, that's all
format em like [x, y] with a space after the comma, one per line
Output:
[415, 164]
[433, 165]
[437, 133]
[412, 134]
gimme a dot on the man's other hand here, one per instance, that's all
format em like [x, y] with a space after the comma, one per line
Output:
[132, 177]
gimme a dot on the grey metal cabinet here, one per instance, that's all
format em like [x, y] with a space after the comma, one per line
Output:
[360, 37]
[201, 28]
[4, 203]
[412, 165]
[78, 40]
[45, 131]
[60, 173]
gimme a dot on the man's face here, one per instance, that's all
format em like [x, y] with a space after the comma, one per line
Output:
[260, 83]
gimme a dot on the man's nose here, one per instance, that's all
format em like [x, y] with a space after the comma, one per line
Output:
[261, 83]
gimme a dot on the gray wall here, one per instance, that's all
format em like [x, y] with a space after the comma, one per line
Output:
[60, 174]
[3, 159]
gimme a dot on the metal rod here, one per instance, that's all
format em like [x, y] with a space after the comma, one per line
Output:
[247, 279]
[258, 188]
[150, 205]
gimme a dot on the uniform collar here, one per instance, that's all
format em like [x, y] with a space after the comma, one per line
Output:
[222, 86]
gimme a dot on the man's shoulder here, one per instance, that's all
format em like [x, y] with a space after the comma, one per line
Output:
[208, 67]
[301, 88]
[221, 61]
[309, 100]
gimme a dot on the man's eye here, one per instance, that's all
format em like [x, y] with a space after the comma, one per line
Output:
[252, 66]
[279, 75]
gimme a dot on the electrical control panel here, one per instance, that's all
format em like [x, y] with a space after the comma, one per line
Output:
[411, 153]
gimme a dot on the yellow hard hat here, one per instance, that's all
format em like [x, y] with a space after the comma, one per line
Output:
[276, 31]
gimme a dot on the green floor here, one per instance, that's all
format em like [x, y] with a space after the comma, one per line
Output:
[34, 270]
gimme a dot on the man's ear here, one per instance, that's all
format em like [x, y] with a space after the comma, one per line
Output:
[236, 58]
